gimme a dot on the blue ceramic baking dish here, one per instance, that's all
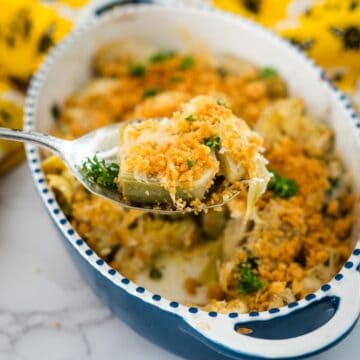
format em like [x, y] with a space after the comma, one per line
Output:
[297, 330]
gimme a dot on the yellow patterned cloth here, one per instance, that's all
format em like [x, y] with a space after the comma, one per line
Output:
[266, 12]
[11, 113]
[28, 29]
[328, 30]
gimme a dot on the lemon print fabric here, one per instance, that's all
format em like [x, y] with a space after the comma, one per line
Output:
[11, 113]
[28, 30]
[74, 3]
[266, 12]
[330, 33]
[328, 30]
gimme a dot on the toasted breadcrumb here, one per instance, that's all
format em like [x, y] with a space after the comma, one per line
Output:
[293, 245]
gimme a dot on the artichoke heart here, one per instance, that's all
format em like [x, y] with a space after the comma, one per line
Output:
[182, 157]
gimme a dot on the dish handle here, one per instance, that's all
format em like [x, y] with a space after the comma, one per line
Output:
[289, 333]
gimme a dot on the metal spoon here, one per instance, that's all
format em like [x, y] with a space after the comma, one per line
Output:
[103, 143]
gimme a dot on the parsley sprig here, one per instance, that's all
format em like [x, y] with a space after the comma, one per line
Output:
[187, 62]
[268, 72]
[136, 70]
[96, 171]
[150, 92]
[221, 102]
[213, 142]
[190, 118]
[248, 282]
[190, 163]
[282, 186]
[161, 56]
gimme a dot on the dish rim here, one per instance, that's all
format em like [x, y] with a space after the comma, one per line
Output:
[351, 265]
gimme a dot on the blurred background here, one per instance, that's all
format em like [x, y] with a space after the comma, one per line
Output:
[327, 30]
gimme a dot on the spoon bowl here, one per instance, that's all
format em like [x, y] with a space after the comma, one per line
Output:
[103, 143]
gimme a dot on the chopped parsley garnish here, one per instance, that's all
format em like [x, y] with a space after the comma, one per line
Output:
[136, 70]
[155, 273]
[248, 282]
[213, 142]
[187, 63]
[96, 171]
[150, 92]
[176, 78]
[220, 101]
[190, 163]
[268, 72]
[190, 118]
[162, 56]
[282, 186]
[55, 111]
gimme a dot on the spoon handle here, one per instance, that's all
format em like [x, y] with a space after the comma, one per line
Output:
[54, 144]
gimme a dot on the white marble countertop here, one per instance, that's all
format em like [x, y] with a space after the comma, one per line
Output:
[46, 311]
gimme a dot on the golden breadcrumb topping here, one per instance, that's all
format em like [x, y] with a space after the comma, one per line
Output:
[179, 151]
[300, 234]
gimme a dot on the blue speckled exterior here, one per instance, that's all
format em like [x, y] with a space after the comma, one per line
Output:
[173, 334]
[163, 328]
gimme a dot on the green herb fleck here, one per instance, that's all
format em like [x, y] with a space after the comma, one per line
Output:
[155, 273]
[176, 78]
[190, 118]
[220, 102]
[150, 92]
[162, 56]
[187, 63]
[213, 142]
[96, 171]
[136, 70]
[55, 111]
[248, 282]
[190, 163]
[282, 186]
[268, 72]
